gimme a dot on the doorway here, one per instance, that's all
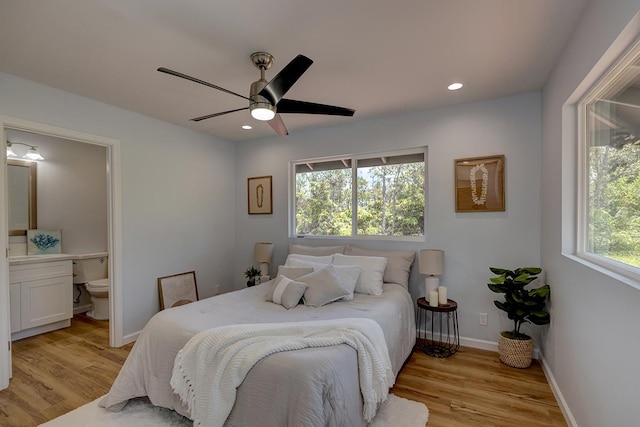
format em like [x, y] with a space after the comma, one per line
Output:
[114, 230]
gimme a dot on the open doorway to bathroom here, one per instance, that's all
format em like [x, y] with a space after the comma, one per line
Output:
[78, 193]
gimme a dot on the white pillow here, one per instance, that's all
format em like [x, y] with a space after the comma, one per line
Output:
[293, 258]
[370, 281]
[348, 274]
[324, 287]
[286, 292]
[398, 263]
[293, 272]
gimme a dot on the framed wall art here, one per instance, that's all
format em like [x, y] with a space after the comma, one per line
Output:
[259, 196]
[177, 289]
[44, 242]
[480, 184]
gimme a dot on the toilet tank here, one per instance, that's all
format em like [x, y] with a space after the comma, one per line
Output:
[90, 267]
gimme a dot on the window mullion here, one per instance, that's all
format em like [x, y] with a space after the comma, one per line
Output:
[354, 197]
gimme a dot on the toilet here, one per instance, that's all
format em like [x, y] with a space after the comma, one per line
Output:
[91, 270]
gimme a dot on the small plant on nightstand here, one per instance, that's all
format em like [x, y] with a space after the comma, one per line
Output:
[251, 273]
[522, 306]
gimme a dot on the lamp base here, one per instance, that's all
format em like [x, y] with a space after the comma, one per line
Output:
[264, 268]
[431, 283]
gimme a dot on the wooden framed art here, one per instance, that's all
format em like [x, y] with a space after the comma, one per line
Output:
[480, 184]
[259, 196]
[177, 289]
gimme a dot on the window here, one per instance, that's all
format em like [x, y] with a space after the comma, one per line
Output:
[609, 228]
[379, 194]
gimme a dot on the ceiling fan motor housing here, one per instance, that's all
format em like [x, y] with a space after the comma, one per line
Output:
[260, 107]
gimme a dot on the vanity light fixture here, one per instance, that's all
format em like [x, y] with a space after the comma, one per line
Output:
[31, 154]
[455, 86]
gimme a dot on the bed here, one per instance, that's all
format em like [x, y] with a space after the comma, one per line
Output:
[307, 387]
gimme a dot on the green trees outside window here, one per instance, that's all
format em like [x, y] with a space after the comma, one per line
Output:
[389, 196]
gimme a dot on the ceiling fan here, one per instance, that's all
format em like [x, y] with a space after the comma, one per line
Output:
[266, 100]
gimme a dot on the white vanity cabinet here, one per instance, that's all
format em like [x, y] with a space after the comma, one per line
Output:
[41, 295]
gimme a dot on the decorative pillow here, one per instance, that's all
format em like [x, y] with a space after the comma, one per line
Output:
[286, 292]
[348, 274]
[315, 250]
[293, 272]
[370, 281]
[293, 258]
[398, 263]
[324, 287]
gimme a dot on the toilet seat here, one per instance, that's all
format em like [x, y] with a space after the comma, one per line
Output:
[100, 285]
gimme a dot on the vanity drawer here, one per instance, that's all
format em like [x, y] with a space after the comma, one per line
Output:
[39, 270]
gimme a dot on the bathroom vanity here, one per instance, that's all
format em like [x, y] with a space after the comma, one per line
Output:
[41, 292]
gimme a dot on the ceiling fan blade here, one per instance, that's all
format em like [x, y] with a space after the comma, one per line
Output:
[303, 107]
[208, 116]
[278, 125]
[202, 82]
[282, 82]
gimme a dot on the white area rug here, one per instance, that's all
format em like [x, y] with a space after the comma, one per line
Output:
[396, 412]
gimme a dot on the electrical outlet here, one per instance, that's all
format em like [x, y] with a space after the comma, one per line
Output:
[484, 319]
[216, 289]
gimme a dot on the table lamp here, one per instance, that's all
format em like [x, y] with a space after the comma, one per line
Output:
[262, 253]
[431, 264]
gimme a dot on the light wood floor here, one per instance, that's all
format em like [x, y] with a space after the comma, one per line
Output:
[56, 372]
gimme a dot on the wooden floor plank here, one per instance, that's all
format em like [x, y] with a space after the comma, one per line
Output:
[57, 372]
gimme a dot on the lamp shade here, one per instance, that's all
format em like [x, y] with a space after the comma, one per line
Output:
[432, 262]
[263, 252]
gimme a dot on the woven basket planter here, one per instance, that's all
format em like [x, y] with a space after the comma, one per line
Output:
[515, 353]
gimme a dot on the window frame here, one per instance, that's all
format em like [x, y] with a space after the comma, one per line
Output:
[608, 79]
[353, 159]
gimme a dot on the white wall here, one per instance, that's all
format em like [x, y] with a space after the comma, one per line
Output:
[593, 344]
[177, 192]
[72, 191]
[472, 241]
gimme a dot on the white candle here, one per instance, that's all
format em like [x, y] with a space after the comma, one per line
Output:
[442, 295]
[433, 298]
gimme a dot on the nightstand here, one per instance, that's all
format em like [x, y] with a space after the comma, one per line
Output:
[437, 328]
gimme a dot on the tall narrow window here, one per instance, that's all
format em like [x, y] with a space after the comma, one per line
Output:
[611, 176]
[362, 195]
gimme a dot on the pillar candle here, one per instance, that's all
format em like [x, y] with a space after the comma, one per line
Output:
[442, 295]
[433, 298]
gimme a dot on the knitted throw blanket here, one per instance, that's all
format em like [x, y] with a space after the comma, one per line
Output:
[214, 363]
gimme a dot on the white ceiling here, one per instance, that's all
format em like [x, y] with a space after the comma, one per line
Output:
[378, 57]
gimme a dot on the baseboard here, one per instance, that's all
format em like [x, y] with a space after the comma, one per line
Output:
[564, 407]
[483, 344]
[82, 308]
[130, 338]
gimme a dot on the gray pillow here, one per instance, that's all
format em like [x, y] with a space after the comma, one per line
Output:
[286, 292]
[293, 272]
[324, 287]
[316, 250]
[398, 263]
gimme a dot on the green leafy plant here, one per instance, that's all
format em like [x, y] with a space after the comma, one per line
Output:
[520, 304]
[251, 273]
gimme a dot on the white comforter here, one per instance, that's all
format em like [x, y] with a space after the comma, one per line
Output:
[310, 387]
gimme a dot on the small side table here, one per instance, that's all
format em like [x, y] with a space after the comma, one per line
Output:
[444, 337]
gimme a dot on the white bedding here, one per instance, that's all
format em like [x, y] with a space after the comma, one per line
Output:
[316, 386]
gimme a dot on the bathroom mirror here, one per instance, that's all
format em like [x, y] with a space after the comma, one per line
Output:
[22, 187]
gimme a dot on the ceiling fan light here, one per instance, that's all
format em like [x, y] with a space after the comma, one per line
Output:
[262, 111]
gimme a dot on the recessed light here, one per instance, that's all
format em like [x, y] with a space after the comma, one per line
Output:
[454, 86]
[247, 127]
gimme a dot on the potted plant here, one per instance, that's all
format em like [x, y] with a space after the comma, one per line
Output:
[251, 273]
[522, 306]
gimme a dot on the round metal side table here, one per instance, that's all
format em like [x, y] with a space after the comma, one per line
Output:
[437, 328]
